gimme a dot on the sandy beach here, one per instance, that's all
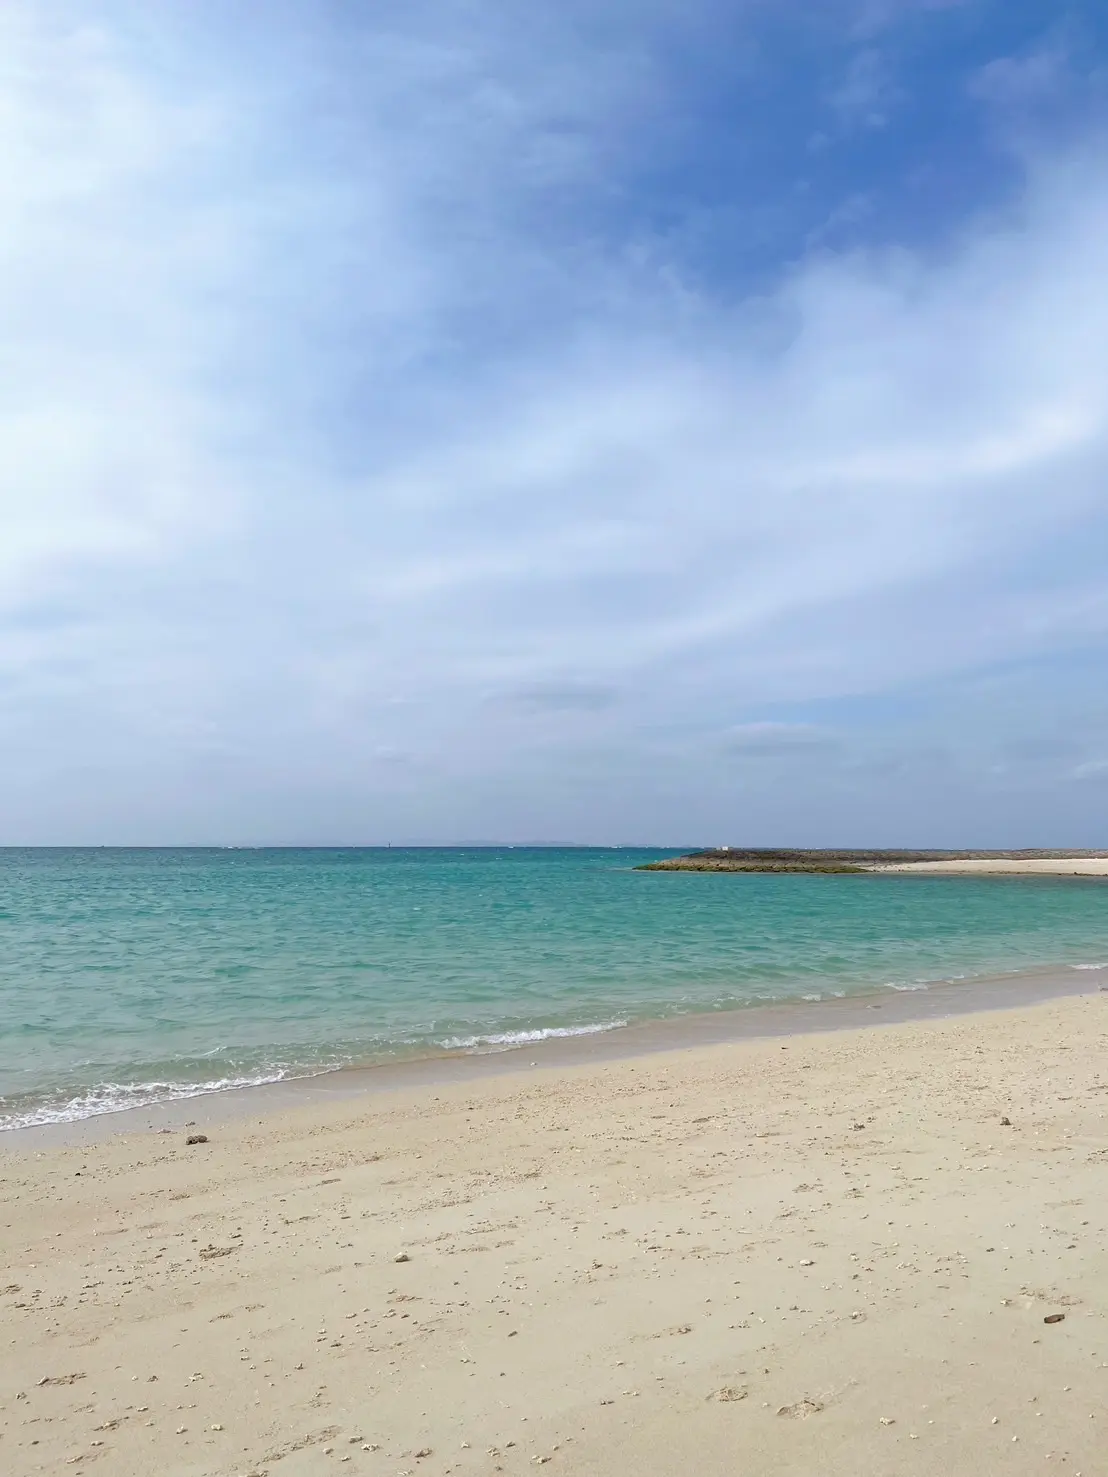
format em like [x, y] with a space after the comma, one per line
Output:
[826, 1253]
[1065, 866]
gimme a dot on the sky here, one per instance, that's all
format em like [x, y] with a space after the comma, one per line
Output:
[673, 423]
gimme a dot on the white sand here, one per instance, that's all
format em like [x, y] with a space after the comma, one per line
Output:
[824, 1256]
[1068, 866]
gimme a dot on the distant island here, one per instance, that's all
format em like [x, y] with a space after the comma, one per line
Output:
[763, 859]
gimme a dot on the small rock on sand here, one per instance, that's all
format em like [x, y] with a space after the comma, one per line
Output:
[1054, 1318]
[402, 1256]
[197, 1138]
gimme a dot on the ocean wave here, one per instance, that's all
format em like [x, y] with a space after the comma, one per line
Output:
[74, 1105]
[506, 1039]
[118, 1097]
[902, 988]
[1089, 966]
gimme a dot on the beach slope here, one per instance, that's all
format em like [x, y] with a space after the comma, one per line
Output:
[834, 1254]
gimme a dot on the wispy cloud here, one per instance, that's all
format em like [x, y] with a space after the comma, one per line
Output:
[559, 697]
[867, 91]
[771, 740]
[1093, 769]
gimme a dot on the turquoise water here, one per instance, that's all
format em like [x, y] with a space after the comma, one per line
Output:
[130, 977]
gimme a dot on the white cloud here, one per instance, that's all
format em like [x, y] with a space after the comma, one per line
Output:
[866, 93]
[771, 740]
[103, 419]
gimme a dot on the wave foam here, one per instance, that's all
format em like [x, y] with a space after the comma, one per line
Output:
[507, 1039]
[1089, 966]
[117, 1097]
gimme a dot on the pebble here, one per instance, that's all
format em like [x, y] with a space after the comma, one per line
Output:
[197, 1138]
[402, 1256]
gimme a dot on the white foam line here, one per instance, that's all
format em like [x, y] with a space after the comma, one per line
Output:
[506, 1039]
[116, 1097]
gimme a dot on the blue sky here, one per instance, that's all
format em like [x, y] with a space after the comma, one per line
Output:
[658, 422]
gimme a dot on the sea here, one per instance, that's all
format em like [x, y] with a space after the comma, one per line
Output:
[133, 977]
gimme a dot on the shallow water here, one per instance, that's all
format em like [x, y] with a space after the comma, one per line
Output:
[131, 977]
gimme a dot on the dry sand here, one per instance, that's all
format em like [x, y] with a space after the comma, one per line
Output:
[1045, 866]
[828, 1255]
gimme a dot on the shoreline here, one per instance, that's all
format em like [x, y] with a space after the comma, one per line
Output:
[880, 1005]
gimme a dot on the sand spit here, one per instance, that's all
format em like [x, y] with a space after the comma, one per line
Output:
[763, 859]
[828, 1253]
[1056, 866]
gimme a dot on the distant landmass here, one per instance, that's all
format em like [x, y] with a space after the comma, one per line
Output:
[763, 859]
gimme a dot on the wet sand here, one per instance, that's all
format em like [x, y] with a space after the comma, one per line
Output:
[809, 1252]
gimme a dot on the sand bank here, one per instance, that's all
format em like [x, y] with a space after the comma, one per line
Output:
[762, 859]
[1065, 866]
[821, 1254]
